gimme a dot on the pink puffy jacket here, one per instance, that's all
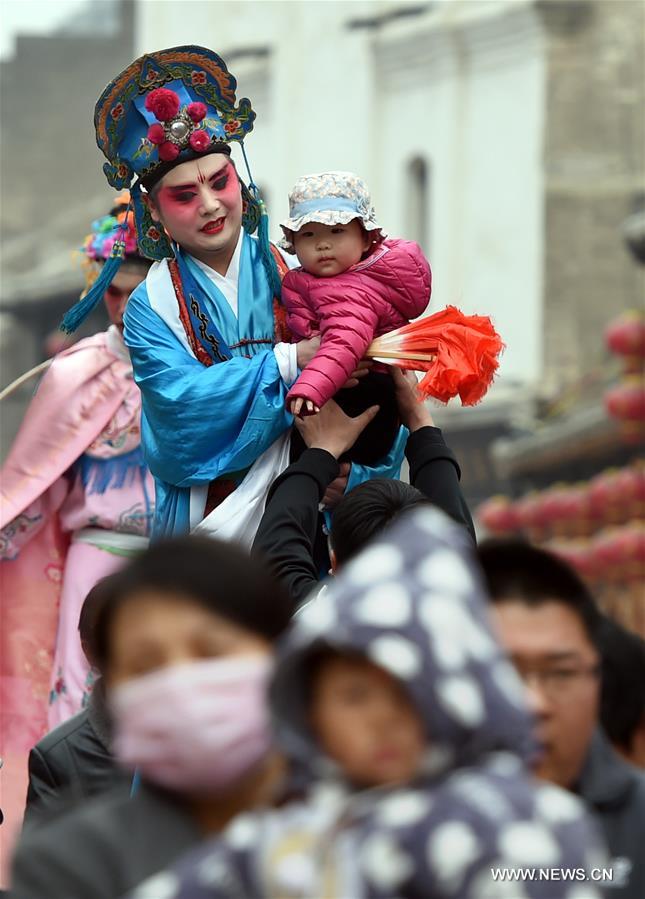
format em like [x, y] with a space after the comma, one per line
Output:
[379, 294]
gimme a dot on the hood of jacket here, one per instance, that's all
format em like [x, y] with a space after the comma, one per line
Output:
[413, 603]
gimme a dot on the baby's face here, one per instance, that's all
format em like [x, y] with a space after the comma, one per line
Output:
[328, 250]
[364, 720]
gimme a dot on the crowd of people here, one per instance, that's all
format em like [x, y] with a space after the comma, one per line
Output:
[312, 681]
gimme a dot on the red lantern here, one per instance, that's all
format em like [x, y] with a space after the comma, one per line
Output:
[579, 554]
[630, 488]
[552, 502]
[625, 336]
[575, 509]
[529, 510]
[623, 550]
[613, 495]
[626, 401]
[586, 561]
[638, 473]
[602, 495]
[498, 515]
[634, 545]
[609, 552]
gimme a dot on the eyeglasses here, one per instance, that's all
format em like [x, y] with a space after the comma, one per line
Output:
[558, 683]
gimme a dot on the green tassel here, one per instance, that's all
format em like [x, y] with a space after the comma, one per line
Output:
[80, 311]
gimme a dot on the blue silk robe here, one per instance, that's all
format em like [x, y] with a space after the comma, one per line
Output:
[198, 422]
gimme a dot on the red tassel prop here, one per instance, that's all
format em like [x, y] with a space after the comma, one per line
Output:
[458, 352]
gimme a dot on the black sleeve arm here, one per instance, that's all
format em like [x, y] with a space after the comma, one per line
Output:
[434, 471]
[287, 531]
[43, 788]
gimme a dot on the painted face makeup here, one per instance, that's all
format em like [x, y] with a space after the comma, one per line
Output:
[118, 293]
[199, 203]
[328, 250]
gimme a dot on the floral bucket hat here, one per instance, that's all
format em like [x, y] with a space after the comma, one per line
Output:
[331, 198]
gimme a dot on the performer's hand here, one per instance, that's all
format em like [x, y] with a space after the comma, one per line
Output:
[332, 430]
[414, 414]
[306, 350]
[363, 369]
[299, 406]
[336, 490]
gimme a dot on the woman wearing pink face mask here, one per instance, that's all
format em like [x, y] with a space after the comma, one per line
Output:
[186, 644]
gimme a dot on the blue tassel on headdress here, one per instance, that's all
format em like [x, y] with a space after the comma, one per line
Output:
[79, 312]
[268, 261]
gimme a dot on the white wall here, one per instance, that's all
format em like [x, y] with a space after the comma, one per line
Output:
[461, 85]
[467, 94]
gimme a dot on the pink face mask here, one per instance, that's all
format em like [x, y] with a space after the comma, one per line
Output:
[195, 727]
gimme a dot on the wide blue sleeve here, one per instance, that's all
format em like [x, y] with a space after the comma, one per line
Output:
[200, 423]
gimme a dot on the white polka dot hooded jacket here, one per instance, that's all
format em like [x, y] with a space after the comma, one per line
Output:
[412, 603]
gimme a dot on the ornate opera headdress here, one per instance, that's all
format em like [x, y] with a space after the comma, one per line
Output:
[99, 243]
[166, 108]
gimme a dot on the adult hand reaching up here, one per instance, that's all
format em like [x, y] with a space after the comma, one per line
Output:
[332, 430]
[414, 414]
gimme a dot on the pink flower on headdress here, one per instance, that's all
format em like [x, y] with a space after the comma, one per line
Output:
[198, 77]
[107, 245]
[168, 151]
[163, 103]
[153, 233]
[117, 111]
[156, 134]
[199, 140]
[231, 127]
[197, 111]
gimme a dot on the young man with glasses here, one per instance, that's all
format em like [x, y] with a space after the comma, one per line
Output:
[551, 627]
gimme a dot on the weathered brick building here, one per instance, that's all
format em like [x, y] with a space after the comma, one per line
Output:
[51, 184]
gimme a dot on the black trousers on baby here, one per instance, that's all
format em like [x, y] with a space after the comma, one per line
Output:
[375, 389]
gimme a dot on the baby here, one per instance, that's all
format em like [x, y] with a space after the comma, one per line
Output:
[353, 285]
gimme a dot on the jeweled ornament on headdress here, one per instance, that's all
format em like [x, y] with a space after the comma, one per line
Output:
[167, 107]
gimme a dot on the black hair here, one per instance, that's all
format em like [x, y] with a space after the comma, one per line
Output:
[219, 576]
[516, 571]
[92, 605]
[119, 207]
[366, 511]
[622, 704]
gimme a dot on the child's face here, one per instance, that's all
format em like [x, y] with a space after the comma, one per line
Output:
[328, 250]
[365, 721]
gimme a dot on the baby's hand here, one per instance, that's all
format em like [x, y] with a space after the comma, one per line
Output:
[299, 406]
